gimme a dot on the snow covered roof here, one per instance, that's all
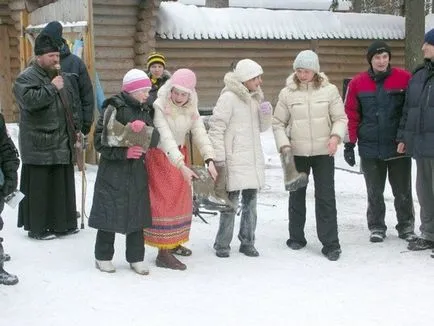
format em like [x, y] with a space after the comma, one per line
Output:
[179, 21]
[272, 4]
[77, 26]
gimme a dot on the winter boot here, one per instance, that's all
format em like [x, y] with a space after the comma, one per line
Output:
[292, 178]
[166, 259]
[220, 187]
[249, 250]
[140, 267]
[105, 266]
[6, 278]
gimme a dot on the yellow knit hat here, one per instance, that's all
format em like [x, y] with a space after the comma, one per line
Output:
[156, 57]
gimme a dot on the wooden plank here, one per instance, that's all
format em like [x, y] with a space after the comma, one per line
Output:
[123, 3]
[108, 41]
[124, 31]
[124, 64]
[6, 100]
[114, 53]
[235, 44]
[115, 20]
[120, 10]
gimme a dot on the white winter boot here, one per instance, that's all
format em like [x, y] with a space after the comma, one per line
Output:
[105, 266]
[140, 267]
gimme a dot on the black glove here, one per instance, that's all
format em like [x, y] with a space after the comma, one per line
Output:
[349, 154]
[9, 187]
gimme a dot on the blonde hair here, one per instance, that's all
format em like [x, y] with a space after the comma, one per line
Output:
[317, 81]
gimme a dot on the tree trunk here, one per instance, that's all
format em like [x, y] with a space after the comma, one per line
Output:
[217, 3]
[414, 32]
[357, 6]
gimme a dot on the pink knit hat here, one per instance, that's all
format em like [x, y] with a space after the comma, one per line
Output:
[184, 80]
[135, 80]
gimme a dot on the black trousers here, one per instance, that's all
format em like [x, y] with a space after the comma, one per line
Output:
[323, 169]
[49, 202]
[135, 246]
[398, 172]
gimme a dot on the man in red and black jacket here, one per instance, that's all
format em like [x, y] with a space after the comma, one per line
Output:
[373, 104]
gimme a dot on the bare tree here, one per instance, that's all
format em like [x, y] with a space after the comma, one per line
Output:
[414, 32]
[357, 5]
[217, 3]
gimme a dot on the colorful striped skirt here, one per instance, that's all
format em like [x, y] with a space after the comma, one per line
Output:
[171, 202]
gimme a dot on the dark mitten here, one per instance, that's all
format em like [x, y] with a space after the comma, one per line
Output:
[9, 187]
[349, 154]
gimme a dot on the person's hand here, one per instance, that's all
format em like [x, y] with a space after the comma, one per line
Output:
[285, 149]
[58, 82]
[135, 152]
[9, 187]
[332, 145]
[137, 125]
[401, 148]
[212, 170]
[188, 174]
[349, 154]
[266, 107]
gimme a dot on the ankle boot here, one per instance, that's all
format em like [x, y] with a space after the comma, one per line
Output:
[292, 178]
[105, 266]
[165, 259]
[140, 267]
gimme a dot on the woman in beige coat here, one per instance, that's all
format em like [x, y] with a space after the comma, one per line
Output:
[239, 117]
[310, 121]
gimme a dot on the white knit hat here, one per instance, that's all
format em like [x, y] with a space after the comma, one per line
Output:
[135, 80]
[247, 69]
[307, 59]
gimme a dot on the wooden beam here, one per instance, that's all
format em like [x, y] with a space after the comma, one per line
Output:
[25, 47]
[6, 101]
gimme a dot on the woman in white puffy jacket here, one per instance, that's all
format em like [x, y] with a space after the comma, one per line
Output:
[311, 108]
[238, 118]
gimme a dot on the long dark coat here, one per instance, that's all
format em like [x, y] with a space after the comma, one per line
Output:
[121, 196]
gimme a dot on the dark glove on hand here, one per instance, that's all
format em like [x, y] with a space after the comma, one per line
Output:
[349, 154]
[9, 187]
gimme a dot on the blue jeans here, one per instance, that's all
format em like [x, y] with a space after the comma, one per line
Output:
[248, 221]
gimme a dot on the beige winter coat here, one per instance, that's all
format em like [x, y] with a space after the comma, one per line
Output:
[174, 123]
[235, 128]
[306, 118]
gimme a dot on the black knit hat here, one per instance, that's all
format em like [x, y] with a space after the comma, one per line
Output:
[55, 30]
[377, 47]
[45, 44]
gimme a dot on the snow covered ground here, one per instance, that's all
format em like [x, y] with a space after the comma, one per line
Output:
[372, 284]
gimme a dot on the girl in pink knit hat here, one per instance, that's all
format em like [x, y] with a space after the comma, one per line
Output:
[176, 114]
[120, 202]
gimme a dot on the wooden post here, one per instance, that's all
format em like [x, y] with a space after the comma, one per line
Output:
[6, 101]
[89, 59]
[25, 47]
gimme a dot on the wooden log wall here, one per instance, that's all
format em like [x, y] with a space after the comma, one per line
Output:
[211, 59]
[11, 14]
[114, 23]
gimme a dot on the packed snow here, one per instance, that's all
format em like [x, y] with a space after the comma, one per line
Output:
[372, 284]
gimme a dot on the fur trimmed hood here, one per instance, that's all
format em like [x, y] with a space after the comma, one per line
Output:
[164, 101]
[293, 86]
[233, 85]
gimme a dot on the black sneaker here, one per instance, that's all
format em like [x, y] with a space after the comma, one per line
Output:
[249, 250]
[295, 245]
[377, 236]
[420, 244]
[408, 236]
[42, 236]
[332, 254]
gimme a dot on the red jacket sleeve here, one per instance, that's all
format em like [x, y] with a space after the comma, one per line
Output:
[352, 110]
